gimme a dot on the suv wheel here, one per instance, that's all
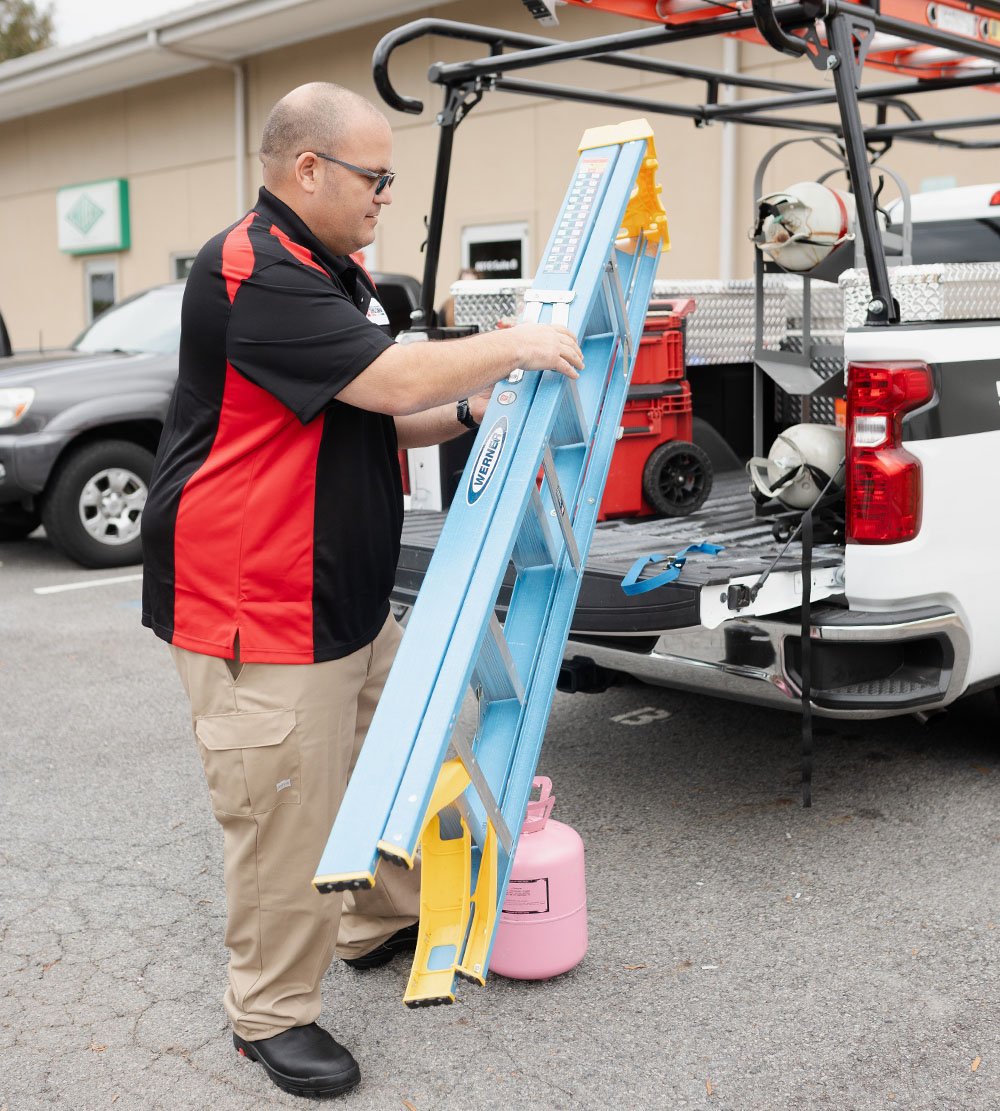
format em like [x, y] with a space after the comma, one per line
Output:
[93, 507]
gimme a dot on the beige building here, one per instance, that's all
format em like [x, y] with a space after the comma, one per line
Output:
[173, 108]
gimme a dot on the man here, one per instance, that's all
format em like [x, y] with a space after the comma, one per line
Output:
[270, 539]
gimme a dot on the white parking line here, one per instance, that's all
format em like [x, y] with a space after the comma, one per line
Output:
[89, 582]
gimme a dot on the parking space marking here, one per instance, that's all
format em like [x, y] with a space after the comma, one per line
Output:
[89, 582]
[643, 715]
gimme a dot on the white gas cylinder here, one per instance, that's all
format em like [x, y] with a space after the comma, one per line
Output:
[800, 226]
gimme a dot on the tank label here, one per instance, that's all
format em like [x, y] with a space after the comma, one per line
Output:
[527, 897]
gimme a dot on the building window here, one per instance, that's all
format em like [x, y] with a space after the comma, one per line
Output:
[100, 286]
[180, 265]
[496, 250]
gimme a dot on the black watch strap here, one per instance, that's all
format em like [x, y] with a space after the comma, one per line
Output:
[465, 416]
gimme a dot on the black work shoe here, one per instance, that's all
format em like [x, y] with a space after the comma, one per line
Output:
[402, 941]
[304, 1060]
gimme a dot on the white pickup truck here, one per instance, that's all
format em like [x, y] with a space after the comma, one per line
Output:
[882, 604]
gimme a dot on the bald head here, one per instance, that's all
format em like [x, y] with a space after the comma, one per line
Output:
[325, 150]
[317, 116]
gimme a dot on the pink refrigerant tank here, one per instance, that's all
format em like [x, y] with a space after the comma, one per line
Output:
[543, 924]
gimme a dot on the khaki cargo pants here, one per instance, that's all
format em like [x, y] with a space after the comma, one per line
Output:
[279, 742]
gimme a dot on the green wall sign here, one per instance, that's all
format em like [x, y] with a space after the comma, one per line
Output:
[93, 217]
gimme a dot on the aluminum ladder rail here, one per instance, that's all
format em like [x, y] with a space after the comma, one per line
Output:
[466, 813]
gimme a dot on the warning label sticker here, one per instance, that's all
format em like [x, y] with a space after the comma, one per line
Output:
[527, 897]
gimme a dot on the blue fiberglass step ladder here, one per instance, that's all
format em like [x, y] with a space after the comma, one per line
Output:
[465, 813]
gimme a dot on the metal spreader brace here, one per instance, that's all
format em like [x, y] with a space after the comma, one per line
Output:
[466, 813]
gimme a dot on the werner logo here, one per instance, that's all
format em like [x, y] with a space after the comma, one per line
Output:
[486, 461]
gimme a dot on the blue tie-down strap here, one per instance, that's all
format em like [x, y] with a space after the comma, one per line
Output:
[630, 583]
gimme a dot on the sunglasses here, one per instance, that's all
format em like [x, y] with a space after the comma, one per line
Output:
[381, 180]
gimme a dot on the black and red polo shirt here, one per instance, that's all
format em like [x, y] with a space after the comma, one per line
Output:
[274, 510]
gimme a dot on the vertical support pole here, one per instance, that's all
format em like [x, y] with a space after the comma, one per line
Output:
[727, 169]
[838, 28]
[458, 100]
[432, 253]
[758, 346]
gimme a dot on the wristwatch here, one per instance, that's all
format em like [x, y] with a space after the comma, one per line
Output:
[465, 416]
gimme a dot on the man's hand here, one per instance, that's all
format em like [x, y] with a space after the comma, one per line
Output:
[537, 347]
[546, 347]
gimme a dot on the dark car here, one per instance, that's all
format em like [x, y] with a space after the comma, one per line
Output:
[79, 427]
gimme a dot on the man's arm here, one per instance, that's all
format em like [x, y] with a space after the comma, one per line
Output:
[432, 426]
[413, 377]
[440, 424]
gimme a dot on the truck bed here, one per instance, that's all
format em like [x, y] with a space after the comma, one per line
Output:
[603, 609]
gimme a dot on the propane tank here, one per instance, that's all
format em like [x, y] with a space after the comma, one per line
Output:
[543, 923]
[802, 460]
[800, 226]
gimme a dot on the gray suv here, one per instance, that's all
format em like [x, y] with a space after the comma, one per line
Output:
[79, 427]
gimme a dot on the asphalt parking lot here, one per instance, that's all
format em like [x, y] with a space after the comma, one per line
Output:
[745, 953]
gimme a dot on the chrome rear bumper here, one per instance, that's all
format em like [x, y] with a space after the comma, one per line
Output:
[864, 665]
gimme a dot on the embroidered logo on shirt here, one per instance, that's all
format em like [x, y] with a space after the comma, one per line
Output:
[376, 314]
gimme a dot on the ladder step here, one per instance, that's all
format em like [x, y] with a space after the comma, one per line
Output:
[495, 671]
[559, 504]
[572, 425]
[534, 545]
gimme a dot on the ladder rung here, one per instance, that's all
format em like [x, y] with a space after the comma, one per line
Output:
[534, 546]
[486, 796]
[616, 306]
[559, 503]
[498, 723]
[495, 670]
[571, 425]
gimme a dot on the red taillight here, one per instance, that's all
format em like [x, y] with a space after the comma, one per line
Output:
[884, 488]
[995, 199]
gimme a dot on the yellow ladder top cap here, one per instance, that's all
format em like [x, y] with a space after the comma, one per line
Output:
[613, 133]
[645, 214]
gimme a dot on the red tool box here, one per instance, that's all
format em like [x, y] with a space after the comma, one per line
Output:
[655, 468]
[661, 350]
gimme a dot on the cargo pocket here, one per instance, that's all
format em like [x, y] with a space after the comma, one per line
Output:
[251, 760]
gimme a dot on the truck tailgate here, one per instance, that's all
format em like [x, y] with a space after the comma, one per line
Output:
[604, 609]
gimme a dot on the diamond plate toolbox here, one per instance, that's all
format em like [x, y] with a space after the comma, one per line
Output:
[952, 291]
[720, 330]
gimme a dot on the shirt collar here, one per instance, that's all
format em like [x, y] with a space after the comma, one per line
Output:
[275, 210]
